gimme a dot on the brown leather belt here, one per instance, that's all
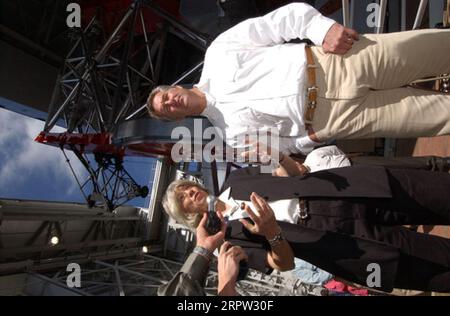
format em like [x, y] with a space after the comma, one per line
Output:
[311, 94]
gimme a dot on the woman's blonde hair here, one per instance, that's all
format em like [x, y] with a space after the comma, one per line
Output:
[172, 206]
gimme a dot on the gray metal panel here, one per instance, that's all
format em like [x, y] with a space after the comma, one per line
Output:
[153, 130]
[25, 79]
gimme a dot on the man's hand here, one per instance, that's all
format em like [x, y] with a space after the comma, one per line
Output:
[339, 39]
[264, 218]
[210, 242]
[258, 153]
[228, 268]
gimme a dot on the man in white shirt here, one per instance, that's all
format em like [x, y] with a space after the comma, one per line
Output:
[253, 80]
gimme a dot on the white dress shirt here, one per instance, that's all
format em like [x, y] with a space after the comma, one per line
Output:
[327, 157]
[285, 210]
[254, 81]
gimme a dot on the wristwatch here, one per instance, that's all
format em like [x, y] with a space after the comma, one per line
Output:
[203, 252]
[275, 241]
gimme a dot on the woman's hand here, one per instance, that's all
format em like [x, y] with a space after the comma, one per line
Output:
[264, 218]
[281, 256]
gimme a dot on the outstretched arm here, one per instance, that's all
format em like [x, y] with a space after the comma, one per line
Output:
[264, 154]
[293, 21]
[281, 256]
[192, 276]
[297, 145]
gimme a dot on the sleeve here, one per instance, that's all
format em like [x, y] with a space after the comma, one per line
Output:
[331, 150]
[326, 158]
[190, 280]
[322, 155]
[295, 20]
[297, 145]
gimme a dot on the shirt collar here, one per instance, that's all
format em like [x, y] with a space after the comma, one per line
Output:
[210, 109]
[308, 168]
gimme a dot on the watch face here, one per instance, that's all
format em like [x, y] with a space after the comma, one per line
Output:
[276, 239]
[202, 251]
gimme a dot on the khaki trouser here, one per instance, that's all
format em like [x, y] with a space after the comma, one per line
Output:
[362, 94]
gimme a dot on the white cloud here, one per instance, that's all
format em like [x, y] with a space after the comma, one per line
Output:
[22, 157]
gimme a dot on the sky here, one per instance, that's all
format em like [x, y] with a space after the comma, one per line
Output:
[34, 171]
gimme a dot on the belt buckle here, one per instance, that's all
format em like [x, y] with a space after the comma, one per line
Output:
[312, 105]
[302, 211]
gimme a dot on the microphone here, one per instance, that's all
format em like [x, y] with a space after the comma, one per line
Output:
[211, 199]
[213, 223]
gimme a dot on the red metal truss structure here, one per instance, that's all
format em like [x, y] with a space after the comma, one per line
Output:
[118, 56]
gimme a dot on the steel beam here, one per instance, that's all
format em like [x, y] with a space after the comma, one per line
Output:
[144, 276]
[200, 41]
[17, 38]
[118, 280]
[420, 12]
[346, 13]
[46, 279]
[381, 16]
[124, 66]
[76, 246]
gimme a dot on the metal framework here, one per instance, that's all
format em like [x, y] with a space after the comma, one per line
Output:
[106, 78]
[37, 26]
[105, 81]
[113, 186]
[82, 234]
[142, 275]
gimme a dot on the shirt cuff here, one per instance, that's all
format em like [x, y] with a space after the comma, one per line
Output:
[305, 144]
[290, 145]
[320, 25]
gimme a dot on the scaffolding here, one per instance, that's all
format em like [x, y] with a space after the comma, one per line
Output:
[142, 275]
[105, 80]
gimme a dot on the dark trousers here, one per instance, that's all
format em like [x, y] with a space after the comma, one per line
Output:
[431, 163]
[419, 197]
